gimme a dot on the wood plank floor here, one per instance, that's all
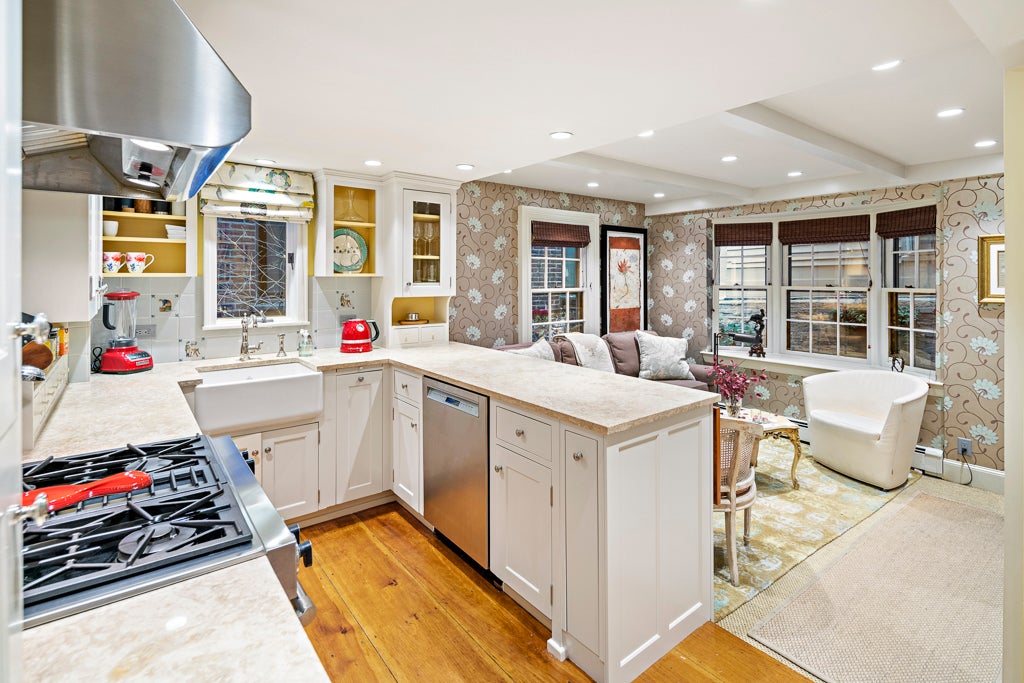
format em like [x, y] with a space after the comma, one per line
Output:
[395, 604]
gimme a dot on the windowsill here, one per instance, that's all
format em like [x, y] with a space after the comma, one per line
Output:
[778, 363]
[236, 325]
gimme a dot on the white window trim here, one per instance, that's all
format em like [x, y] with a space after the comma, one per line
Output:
[877, 329]
[590, 265]
[297, 291]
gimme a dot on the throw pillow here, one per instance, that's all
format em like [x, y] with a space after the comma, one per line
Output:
[662, 357]
[540, 349]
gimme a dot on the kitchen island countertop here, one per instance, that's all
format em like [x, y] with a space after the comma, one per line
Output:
[243, 605]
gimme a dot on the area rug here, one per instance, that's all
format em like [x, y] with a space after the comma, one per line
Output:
[789, 524]
[918, 598]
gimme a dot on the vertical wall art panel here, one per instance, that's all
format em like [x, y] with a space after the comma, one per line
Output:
[623, 283]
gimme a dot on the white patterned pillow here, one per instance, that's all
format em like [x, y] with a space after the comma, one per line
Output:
[540, 349]
[662, 357]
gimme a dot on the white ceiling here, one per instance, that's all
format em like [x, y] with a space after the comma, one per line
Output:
[784, 84]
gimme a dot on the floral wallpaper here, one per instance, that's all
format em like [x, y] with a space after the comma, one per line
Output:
[970, 335]
[485, 309]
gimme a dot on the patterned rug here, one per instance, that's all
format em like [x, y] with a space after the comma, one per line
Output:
[789, 525]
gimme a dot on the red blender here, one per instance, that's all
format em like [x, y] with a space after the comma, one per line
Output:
[122, 355]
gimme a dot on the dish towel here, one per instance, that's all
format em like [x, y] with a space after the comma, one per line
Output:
[591, 351]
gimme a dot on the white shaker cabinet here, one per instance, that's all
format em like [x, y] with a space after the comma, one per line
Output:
[521, 513]
[428, 244]
[359, 435]
[582, 541]
[291, 475]
[61, 255]
[407, 454]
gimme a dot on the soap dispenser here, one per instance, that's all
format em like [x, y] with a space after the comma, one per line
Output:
[305, 343]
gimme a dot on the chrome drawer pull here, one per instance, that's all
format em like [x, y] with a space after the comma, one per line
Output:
[498, 468]
[577, 456]
[519, 432]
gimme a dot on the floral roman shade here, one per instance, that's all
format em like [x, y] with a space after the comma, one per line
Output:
[243, 191]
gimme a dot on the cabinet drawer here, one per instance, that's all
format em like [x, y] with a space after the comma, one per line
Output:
[526, 433]
[433, 334]
[406, 336]
[409, 387]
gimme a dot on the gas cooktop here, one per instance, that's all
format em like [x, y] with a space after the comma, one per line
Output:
[191, 519]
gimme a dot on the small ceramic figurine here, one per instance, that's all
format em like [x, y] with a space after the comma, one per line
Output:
[755, 340]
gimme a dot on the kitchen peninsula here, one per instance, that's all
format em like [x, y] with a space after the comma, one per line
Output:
[630, 508]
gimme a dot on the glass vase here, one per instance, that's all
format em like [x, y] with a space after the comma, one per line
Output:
[733, 406]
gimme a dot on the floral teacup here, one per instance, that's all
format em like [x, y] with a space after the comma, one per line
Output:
[112, 261]
[138, 261]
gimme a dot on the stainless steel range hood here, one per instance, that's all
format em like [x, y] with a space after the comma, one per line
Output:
[124, 98]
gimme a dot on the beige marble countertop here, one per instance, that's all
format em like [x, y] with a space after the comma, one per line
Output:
[240, 613]
[222, 626]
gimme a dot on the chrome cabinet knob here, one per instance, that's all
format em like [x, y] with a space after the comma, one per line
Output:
[498, 468]
[519, 432]
[37, 511]
[267, 450]
[577, 456]
[413, 425]
[360, 378]
[405, 387]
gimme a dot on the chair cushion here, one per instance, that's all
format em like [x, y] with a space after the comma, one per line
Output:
[858, 424]
[688, 383]
[662, 357]
[539, 349]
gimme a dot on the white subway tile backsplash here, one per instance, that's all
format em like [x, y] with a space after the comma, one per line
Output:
[166, 352]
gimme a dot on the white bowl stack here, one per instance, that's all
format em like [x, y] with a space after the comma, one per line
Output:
[175, 232]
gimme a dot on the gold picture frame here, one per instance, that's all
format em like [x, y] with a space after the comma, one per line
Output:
[991, 269]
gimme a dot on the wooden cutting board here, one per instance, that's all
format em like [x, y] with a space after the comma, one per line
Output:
[37, 355]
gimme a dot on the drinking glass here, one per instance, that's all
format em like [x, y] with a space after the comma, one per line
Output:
[428, 234]
[417, 236]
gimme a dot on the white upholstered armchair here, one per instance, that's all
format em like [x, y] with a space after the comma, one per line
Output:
[864, 423]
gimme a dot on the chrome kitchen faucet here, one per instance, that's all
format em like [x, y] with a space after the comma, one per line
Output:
[246, 349]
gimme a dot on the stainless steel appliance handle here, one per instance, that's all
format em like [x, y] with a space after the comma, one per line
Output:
[37, 511]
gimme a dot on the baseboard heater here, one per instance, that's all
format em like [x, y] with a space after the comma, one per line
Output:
[927, 459]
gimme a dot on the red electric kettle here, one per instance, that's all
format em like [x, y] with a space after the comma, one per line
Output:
[355, 335]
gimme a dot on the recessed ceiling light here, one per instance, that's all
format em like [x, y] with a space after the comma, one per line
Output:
[645, 134]
[729, 157]
[265, 162]
[885, 66]
[592, 184]
[659, 195]
[507, 170]
[151, 145]
[373, 162]
[561, 135]
[985, 143]
[795, 174]
[465, 167]
[952, 111]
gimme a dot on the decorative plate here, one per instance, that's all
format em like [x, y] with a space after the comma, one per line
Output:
[349, 251]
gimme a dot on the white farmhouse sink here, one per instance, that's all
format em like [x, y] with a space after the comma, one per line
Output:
[240, 400]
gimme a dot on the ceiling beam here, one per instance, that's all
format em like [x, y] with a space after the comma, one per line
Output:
[595, 162]
[758, 119]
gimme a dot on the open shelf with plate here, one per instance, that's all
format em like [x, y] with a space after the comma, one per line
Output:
[346, 242]
[148, 233]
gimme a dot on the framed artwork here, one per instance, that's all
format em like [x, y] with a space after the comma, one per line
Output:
[991, 269]
[623, 279]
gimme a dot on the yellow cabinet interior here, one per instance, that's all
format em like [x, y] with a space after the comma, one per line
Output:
[145, 232]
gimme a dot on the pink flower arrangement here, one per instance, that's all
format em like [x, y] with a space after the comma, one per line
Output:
[731, 382]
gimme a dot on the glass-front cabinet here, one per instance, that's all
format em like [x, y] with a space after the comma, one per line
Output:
[428, 244]
[346, 243]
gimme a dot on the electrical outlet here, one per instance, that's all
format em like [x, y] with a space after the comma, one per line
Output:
[145, 331]
[964, 446]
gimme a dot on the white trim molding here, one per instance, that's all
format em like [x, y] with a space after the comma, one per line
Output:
[592, 263]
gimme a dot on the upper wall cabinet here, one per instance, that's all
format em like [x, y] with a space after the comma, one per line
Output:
[160, 244]
[346, 226]
[60, 252]
[428, 244]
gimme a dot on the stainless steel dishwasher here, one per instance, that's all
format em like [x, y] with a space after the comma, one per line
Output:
[455, 462]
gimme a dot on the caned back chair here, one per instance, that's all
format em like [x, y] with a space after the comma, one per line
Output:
[738, 441]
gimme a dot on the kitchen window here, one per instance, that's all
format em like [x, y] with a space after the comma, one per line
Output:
[827, 303]
[558, 266]
[254, 266]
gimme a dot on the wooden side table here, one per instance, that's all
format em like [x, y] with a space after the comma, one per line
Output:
[778, 427]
